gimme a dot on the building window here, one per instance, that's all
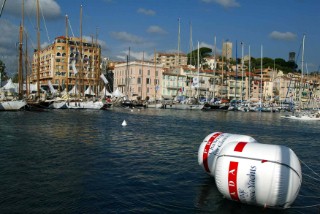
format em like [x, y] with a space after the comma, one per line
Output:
[148, 72]
[139, 80]
[148, 80]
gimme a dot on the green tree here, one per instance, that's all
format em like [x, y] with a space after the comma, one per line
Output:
[193, 56]
[3, 73]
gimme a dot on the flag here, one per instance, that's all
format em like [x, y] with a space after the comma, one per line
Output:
[104, 79]
[195, 82]
[52, 90]
[73, 63]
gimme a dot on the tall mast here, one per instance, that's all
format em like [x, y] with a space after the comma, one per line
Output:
[198, 70]
[98, 59]
[249, 87]
[4, 2]
[26, 66]
[235, 91]
[215, 64]
[190, 44]
[242, 61]
[261, 78]
[20, 79]
[222, 83]
[142, 80]
[67, 54]
[155, 71]
[301, 79]
[38, 50]
[80, 50]
[178, 43]
[20, 72]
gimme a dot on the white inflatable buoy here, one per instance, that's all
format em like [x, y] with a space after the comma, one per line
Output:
[124, 123]
[212, 145]
[261, 174]
[250, 172]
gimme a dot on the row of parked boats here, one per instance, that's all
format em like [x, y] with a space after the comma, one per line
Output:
[189, 104]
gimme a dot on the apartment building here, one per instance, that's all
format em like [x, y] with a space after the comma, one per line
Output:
[138, 79]
[171, 60]
[61, 64]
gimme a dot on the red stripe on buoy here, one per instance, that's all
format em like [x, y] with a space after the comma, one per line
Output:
[232, 180]
[239, 147]
[206, 151]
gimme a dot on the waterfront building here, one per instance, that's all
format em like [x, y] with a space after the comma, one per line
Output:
[60, 63]
[138, 79]
[292, 56]
[171, 60]
[227, 50]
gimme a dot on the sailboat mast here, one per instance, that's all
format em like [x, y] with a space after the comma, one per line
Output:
[142, 74]
[38, 56]
[178, 43]
[80, 50]
[26, 67]
[191, 45]
[242, 61]
[301, 79]
[98, 61]
[155, 72]
[198, 70]
[261, 77]
[249, 87]
[4, 2]
[67, 53]
[215, 64]
[20, 79]
[235, 88]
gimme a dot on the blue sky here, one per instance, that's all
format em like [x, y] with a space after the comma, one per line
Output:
[148, 25]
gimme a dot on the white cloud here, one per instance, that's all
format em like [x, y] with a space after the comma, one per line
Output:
[224, 3]
[206, 45]
[146, 12]
[9, 46]
[100, 42]
[156, 29]
[288, 36]
[139, 55]
[49, 8]
[126, 37]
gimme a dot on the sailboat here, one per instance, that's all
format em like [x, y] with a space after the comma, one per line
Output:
[13, 103]
[191, 103]
[301, 114]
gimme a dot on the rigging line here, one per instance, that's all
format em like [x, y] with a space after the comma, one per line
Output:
[4, 2]
[311, 177]
[299, 207]
[310, 168]
[45, 26]
[305, 196]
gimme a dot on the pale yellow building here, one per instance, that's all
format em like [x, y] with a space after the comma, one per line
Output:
[138, 79]
[61, 63]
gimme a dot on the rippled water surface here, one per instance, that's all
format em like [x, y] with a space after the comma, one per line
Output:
[81, 161]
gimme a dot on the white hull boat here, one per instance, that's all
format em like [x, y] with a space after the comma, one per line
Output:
[181, 106]
[85, 105]
[12, 105]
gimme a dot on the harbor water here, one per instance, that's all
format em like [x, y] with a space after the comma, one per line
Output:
[84, 161]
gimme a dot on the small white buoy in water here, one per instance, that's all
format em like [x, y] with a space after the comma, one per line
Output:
[124, 123]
